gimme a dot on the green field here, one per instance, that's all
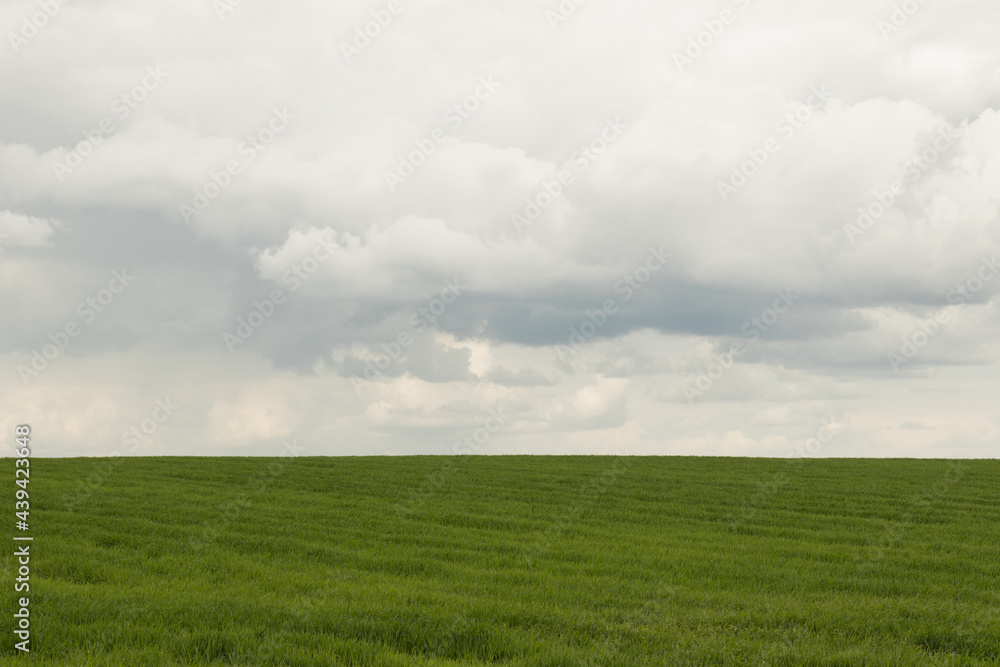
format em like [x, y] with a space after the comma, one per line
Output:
[511, 560]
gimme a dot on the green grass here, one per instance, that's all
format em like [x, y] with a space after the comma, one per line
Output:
[511, 560]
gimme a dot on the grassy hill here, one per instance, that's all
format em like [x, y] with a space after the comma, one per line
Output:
[512, 560]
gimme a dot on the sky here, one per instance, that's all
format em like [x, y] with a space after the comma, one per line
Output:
[741, 228]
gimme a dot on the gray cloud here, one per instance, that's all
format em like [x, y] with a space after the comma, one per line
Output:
[280, 146]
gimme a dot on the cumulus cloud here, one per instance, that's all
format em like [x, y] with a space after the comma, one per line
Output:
[24, 231]
[369, 247]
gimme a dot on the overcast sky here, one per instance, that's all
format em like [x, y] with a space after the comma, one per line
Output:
[758, 227]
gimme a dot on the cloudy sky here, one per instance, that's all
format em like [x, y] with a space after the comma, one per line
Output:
[752, 227]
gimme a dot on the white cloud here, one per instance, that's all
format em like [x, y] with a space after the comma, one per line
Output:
[25, 231]
[387, 254]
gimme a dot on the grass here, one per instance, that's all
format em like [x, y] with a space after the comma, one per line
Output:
[511, 560]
